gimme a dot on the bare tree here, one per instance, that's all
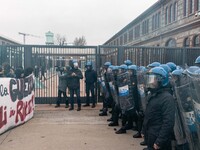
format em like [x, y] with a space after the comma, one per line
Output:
[60, 40]
[80, 41]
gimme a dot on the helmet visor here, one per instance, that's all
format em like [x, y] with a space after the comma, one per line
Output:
[152, 81]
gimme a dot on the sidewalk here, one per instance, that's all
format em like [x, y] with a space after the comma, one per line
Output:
[61, 129]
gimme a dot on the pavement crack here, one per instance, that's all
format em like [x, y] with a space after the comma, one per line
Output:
[5, 137]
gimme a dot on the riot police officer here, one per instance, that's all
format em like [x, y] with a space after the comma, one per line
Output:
[90, 80]
[159, 115]
[107, 95]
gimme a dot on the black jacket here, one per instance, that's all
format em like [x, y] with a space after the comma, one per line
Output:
[159, 116]
[74, 81]
[90, 76]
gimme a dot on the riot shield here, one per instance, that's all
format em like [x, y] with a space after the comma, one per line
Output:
[185, 105]
[124, 92]
[194, 75]
[113, 90]
[102, 84]
[141, 89]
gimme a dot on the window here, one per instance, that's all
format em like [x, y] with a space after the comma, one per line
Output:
[153, 22]
[130, 35]
[186, 42]
[158, 24]
[117, 41]
[175, 11]
[171, 43]
[196, 41]
[166, 15]
[145, 27]
[125, 38]
[121, 40]
[185, 8]
[170, 13]
[191, 4]
[198, 5]
[137, 31]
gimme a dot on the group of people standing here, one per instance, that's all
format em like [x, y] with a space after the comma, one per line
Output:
[148, 99]
[70, 77]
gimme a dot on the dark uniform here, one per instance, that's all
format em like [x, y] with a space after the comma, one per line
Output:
[74, 76]
[90, 80]
[159, 120]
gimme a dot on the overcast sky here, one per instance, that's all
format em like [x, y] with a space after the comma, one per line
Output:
[97, 20]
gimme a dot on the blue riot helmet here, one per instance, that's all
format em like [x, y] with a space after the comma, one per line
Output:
[107, 63]
[89, 65]
[123, 68]
[192, 69]
[179, 68]
[197, 61]
[157, 78]
[176, 76]
[132, 69]
[154, 64]
[128, 62]
[172, 66]
[110, 68]
[115, 69]
[166, 68]
[142, 68]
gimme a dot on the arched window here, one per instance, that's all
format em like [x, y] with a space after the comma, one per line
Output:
[170, 13]
[175, 11]
[186, 42]
[171, 43]
[166, 15]
[196, 41]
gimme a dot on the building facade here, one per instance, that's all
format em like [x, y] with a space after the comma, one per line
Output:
[170, 23]
[7, 41]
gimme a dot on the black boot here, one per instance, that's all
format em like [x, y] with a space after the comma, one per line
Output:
[103, 114]
[110, 119]
[143, 143]
[137, 135]
[120, 131]
[86, 105]
[71, 108]
[112, 124]
[93, 106]
[57, 106]
[79, 108]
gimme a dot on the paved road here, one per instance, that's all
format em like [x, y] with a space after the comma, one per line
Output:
[60, 129]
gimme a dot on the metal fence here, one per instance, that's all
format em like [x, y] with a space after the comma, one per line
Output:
[51, 57]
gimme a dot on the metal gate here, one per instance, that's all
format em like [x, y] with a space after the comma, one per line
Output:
[46, 58]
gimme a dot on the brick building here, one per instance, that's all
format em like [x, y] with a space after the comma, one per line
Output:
[172, 23]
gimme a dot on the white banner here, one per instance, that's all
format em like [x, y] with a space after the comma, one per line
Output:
[17, 101]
